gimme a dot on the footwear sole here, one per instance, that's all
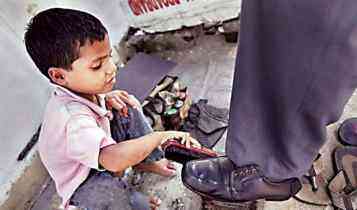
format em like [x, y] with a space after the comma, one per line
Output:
[218, 201]
[231, 204]
[236, 205]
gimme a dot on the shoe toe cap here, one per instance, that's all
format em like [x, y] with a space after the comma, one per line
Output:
[198, 169]
[196, 175]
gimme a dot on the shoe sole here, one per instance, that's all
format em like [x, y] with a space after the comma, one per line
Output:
[238, 205]
[231, 204]
[219, 202]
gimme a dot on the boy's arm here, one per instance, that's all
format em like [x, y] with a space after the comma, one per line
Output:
[118, 157]
[121, 156]
[88, 144]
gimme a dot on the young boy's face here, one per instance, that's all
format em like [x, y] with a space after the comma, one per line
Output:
[93, 72]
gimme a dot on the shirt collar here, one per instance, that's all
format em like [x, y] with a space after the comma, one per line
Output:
[100, 110]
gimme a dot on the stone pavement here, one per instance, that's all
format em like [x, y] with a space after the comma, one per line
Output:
[207, 69]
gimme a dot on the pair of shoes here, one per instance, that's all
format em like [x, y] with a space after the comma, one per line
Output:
[219, 179]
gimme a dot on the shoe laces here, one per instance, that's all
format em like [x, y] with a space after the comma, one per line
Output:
[246, 171]
[240, 174]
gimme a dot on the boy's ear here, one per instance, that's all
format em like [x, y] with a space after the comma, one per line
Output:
[57, 75]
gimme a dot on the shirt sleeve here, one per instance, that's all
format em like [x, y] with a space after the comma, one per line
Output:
[85, 139]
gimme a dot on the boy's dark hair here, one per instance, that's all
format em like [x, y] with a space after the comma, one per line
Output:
[54, 36]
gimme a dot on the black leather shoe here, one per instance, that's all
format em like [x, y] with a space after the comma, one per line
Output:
[221, 180]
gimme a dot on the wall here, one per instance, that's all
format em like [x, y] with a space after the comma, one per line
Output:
[164, 15]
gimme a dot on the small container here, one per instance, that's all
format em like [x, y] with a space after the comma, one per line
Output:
[171, 119]
[179, 104]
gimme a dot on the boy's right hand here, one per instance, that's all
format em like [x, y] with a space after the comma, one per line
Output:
[118, 99]
[184, 136]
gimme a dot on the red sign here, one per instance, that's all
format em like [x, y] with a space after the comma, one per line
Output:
[139, 7]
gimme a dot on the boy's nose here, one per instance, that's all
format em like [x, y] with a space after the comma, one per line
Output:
[112, 68]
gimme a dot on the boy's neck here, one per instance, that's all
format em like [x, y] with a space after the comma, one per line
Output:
[91, 97]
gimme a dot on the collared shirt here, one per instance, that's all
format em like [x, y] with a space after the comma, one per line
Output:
[73, 131]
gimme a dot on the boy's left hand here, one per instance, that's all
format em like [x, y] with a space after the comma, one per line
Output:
[119, 99]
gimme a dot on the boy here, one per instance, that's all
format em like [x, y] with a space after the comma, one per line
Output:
[72, 49]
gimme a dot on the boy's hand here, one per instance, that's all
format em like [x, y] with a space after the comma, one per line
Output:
[184, 136]
[118, 99]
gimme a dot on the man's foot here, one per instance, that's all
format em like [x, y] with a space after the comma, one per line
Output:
[221, 180]
[162, 167]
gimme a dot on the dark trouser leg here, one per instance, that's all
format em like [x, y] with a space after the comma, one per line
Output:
[295, 70]
[133, 126]
[101, 191]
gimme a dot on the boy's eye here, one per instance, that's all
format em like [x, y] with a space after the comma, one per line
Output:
[97, 67]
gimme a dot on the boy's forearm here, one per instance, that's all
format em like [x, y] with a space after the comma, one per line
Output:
[120, 156]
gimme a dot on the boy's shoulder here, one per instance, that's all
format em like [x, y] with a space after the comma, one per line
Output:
[65, 108]
[77, 108]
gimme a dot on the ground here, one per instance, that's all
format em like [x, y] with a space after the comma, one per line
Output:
[207, 68]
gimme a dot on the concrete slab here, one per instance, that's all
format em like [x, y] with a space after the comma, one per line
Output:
[28, 184]
[24, 93]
